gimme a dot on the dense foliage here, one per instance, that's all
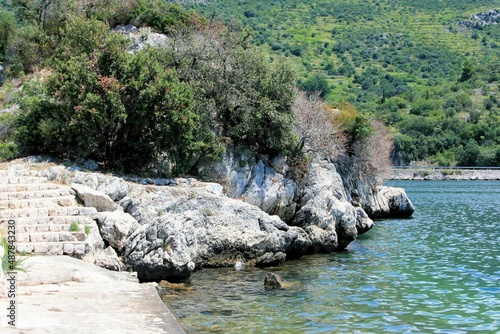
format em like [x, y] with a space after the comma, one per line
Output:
[423, 67]
[159, 109]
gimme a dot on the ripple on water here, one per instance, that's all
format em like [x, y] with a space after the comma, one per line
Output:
[435, 273]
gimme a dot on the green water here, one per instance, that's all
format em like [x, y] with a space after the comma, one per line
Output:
[437, 272]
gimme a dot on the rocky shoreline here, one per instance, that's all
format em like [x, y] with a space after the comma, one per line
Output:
[164, 229]
[444, 174]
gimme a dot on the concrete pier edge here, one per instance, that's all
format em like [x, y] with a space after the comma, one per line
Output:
[61, 294]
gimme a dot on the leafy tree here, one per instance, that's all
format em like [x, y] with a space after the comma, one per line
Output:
[121, 109]
[237, 92]
[467, 71]
[470, 154]
[316, 83]
[7, 31]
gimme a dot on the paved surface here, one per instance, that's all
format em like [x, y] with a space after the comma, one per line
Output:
[60, 294]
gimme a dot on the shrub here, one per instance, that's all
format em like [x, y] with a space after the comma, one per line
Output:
[8, 151]
[110, 106]
[316, 128]
[370, 148]
[237, 92]
[7, 31]
[74, 227]
[316, 83]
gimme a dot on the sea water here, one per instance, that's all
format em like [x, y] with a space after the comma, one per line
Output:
[437, 272]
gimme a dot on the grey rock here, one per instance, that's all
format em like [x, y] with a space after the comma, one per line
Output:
[115, 187]
[107, 258]
[255, 181]
[397, 202]
[116, 227]
[274, 281]
[91, 165]
[94, 198]
[325, 213]
[363, 222]
[199, 228]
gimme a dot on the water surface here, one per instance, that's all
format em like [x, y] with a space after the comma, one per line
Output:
[437, 272]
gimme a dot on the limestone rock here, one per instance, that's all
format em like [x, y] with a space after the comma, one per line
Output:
[274, 281]
[106, 258]
[256, 181]
[363, 222]
[116, 227]
[397, 202]
[94, 198]
[115, 187]
[325, 214]
[198, 228]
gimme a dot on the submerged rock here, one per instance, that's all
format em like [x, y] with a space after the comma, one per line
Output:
[274, 281]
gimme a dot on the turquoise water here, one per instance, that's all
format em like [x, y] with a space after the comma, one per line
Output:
[437, 272]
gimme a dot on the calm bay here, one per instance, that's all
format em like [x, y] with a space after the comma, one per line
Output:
[437, 272]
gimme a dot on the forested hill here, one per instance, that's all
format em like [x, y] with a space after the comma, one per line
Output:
[429, 69]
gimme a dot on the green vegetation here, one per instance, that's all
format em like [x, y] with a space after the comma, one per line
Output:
[87, 229]
[158, 110]
[9, 264]
[74, 227]
[162, 110]
[432, 79]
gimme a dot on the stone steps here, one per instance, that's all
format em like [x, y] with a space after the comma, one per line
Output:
[47, 216]
[37, 203]
[72, 248]
[53, 227]
[28, 187]
[22, 180]
[18, 173]
[47, 212]
[54, 220]
[50, 236]
[38, 194]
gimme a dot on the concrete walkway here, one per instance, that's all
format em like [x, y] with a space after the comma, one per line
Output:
[60, 294]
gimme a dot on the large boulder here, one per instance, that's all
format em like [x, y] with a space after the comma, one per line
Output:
[331, 221]
[257, 180]
[94, 198]
[116, 227]
[184, 228]
[395, 203]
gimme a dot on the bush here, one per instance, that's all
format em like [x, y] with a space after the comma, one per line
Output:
[316, 83]
[316, 128]
[237, 92]
[470, 154]
[7, 31]
[8, 151]
[120, 109]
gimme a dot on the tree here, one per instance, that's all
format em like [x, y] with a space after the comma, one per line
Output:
[467, 71]
[237, 92]
[316, 127]
[316, 83]
[7, 31]
[470, 154]
[124, 110]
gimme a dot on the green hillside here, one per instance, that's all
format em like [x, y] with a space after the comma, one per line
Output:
[420, 66]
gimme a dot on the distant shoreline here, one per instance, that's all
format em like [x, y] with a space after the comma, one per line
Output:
[445, 173]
